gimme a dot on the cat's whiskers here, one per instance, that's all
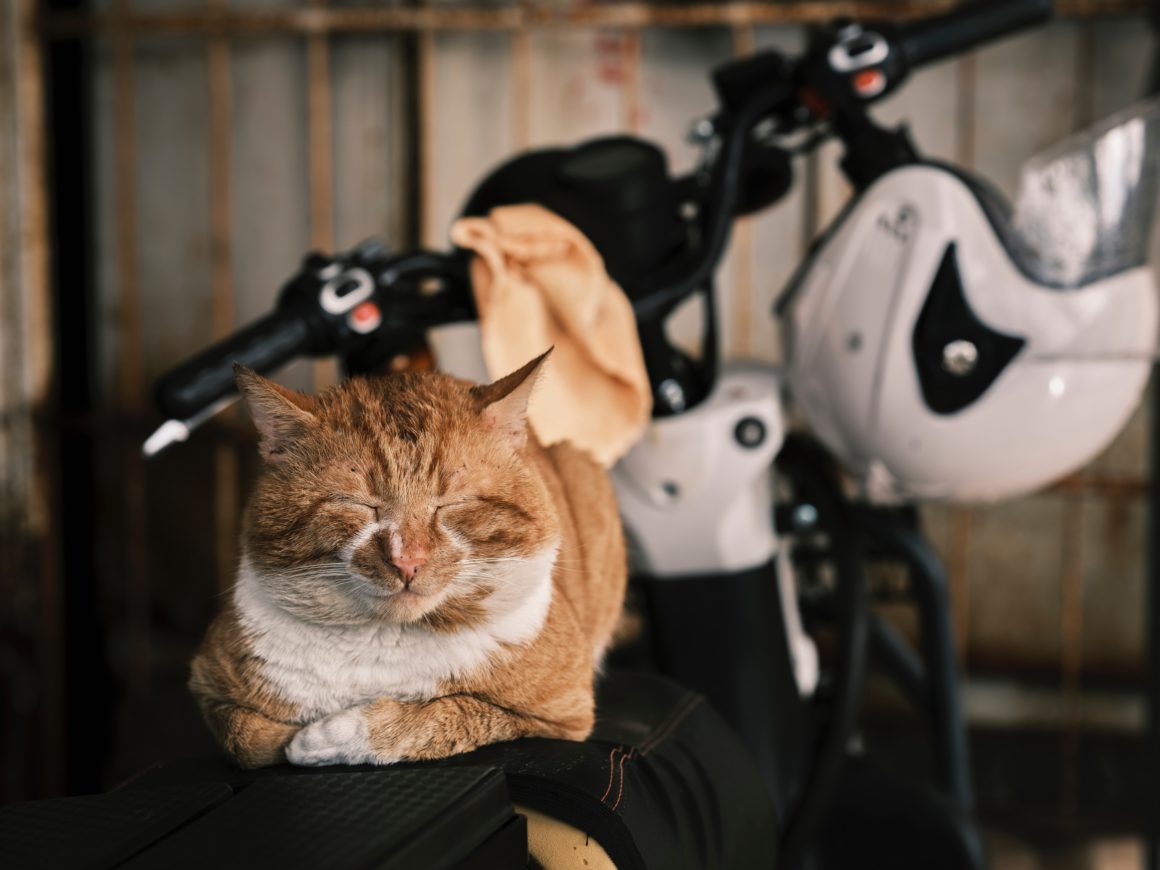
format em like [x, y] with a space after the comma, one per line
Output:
[576, 566]
[310, 571]
[314, 566]
[315, 576]
[352, 583]
[570, 569]
[229, 590]
[480, 582]
[474, 586]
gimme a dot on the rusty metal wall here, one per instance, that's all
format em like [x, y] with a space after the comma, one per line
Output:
[231, 135]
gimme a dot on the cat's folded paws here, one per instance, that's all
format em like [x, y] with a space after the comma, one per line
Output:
[340, 738]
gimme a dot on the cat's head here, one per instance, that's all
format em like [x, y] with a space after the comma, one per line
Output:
[408, 498]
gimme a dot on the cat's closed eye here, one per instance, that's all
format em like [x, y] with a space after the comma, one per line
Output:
[357, 501]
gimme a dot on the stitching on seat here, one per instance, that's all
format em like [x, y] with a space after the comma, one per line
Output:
[620, 791]
[660, 729]
[690, 701]
[660, 733]
[611, 770]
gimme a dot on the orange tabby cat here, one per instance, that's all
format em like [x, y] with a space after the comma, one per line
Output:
[419, 577]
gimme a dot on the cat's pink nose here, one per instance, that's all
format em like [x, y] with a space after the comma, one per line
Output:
[405, 553]
[408, 567]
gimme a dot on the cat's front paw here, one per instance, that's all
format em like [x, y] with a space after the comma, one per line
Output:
[340, 738]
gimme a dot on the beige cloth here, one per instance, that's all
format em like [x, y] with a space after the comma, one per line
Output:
[539, 283]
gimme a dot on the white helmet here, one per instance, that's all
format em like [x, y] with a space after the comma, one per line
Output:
[945, 349]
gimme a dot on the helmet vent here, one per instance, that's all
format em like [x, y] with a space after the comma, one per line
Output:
[946, 327]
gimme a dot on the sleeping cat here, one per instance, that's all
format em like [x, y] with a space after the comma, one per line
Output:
[419, 577]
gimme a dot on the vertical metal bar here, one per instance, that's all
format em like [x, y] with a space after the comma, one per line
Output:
[959, 574]
[1152, 577]
[811, 186]
[38, 378]
[320, 120]
[1085, 63]
[83, 632]
[1071, 615]
[130, 378]
[743, 305]
[20, 729]
[30, 584]
[220, 116]
[1152, 599]
[521, 84]
[226, 521]
[125, 145]
[321, 143]
[404, 224]
[967, 70]
[30, 99]
[744, 42]
[630, 107]
[221, 236]
[1071, 649]
[931, 592]
[430, 232]
[811, 199]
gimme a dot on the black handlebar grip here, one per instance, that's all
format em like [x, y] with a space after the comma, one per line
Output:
[263, 346]
[967, 26]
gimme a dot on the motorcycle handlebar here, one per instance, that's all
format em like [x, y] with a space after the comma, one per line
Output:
[966, 27]
[264, 345]
[294, 330]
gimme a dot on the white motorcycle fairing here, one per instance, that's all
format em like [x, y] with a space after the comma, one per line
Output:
[1082, 360]
[695, 491]
[697, 498]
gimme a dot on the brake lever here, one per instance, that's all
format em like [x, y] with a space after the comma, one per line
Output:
[334, 305]
[173, 431]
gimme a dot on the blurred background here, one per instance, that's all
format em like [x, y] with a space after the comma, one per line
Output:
[165, 164]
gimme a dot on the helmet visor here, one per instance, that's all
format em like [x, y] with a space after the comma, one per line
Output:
[1086, 206]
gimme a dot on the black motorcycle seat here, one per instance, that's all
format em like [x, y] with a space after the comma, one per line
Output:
[662, 782]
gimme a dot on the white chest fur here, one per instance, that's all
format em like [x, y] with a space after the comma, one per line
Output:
[323, 669]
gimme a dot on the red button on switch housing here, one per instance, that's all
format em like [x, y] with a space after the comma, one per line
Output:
[365, 318]
[869, 82]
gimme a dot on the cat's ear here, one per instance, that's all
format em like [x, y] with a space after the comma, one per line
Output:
[282, 416]
[504, 404]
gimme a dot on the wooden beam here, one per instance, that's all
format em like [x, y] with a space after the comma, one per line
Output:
[1119, 486]
[317, 20]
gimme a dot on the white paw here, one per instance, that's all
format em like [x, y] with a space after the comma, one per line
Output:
[340, 738]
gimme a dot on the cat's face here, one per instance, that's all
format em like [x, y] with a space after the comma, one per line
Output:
[403, 499]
